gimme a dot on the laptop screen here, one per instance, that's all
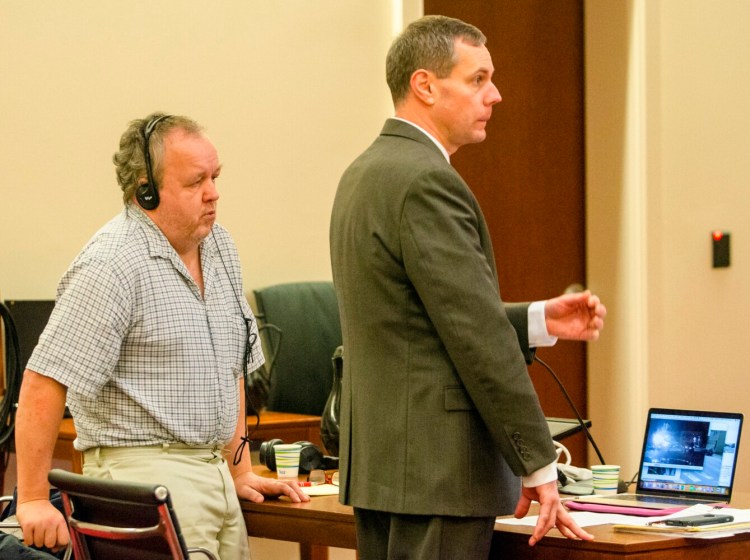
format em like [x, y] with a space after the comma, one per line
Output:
[690, 453]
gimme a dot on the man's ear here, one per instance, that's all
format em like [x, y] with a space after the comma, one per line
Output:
[423, 87]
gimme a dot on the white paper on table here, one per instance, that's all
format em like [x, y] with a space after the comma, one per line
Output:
[320, 490]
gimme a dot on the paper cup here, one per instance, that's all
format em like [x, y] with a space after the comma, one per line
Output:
[287, 460]
[605, 478]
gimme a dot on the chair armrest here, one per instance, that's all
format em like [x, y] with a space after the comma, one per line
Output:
[4, 501]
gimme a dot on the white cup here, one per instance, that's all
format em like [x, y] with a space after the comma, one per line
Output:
[605, 478]
[287, 460]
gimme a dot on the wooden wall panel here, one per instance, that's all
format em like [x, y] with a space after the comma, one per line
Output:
[529, 173]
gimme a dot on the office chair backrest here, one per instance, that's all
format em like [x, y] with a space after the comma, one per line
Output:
[307, 316]
[31, 317]
[120, 520]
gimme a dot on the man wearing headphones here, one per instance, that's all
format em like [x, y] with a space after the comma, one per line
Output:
[147, 343]
[434, 371]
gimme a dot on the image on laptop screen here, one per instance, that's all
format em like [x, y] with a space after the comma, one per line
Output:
[690, 452]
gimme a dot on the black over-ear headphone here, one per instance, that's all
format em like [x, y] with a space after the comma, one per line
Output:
[310, 456]
[147, 194]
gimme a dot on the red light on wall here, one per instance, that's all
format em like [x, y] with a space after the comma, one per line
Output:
[720, 243]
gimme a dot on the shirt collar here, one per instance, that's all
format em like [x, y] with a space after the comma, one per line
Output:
[430, 136]
[158, 242]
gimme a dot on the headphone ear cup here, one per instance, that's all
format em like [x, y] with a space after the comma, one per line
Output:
[267, 455]
[310, 456]
[147, 196]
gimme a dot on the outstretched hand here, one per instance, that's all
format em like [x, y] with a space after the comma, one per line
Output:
[551, 513]
[578, 316]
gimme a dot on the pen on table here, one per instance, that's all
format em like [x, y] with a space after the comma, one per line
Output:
[307, 483]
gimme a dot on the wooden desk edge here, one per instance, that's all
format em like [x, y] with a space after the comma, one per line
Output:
[611, 541]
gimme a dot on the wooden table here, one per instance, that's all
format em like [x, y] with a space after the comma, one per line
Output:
[324, 522]
[315, 525]
[283, 425]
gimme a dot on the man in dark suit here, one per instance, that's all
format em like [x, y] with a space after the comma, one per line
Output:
[439, 416]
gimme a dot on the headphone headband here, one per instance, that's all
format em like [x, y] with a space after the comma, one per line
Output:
[147, 194]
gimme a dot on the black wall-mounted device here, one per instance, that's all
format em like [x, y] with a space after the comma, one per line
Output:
[720, 248]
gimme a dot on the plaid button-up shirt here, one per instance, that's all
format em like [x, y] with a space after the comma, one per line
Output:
[145, 357]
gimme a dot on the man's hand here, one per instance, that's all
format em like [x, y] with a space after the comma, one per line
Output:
[551, 513]
[255, 488]
[42, 524]
[578, 316]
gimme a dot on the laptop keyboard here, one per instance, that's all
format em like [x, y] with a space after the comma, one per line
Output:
[656, 499]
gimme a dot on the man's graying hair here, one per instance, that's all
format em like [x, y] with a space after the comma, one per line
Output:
[426, 43]
[129, 160]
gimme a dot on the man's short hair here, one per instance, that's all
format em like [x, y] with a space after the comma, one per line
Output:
[130, 160]
[428, 44]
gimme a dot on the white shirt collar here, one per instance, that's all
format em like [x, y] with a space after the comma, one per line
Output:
[430, 136]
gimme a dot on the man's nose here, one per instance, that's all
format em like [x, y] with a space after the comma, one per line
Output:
[494, 96]
[211, 193]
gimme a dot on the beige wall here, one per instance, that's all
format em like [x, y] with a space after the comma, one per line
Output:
[289, 90]
[668, 147]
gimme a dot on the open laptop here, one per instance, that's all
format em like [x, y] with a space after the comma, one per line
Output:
[689, 457]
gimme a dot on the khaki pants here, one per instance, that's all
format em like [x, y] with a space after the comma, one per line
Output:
[199, 482]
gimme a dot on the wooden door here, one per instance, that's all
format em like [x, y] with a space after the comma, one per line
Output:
[528, 175]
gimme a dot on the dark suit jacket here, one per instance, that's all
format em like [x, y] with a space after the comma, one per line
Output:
[438, 414]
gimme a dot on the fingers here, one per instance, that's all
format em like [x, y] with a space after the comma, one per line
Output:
[63, 537]
[597, 308]
[565, 531]
[292, 489]
[562, 520]
[42, 524]
[254, 488]
[544, 522]
[252, 494]
[522, 508]
[49, 537]
[551, 514]
[569, 528]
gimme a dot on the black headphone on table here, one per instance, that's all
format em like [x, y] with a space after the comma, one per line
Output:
[147, 194]
[310, 456]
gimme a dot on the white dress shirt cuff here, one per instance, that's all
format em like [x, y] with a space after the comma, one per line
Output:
[542, 476]
[538, 335]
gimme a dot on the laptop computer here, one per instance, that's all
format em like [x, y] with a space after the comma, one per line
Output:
[689, 457]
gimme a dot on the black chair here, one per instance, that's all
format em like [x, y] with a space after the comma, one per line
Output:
[300, 330]
[120, 520]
